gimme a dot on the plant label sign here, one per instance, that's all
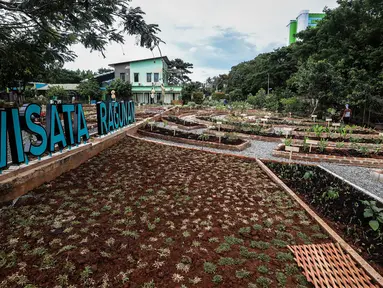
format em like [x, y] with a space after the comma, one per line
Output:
[14, 120]
[336, 124]
[291, 149]
[311, 143]
[314, 117]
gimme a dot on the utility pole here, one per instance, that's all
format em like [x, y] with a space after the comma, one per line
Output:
[268, 83]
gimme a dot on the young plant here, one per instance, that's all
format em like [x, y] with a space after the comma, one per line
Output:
[209, 267]
[288, 142]
[322, 145]
[204, 137]
[375, 213]
[331, 194]
[339, 145]
[318, 130]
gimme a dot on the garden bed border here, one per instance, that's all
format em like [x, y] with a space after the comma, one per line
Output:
[359, 259]
[240, 147]
[349, 161]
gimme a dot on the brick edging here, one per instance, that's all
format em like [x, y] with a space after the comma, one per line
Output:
[359, 259]
[241, 147]
[349, 161]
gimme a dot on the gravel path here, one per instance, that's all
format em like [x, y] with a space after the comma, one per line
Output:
[359, 176]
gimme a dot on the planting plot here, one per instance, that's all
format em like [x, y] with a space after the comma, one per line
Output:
[355, 216]
[147, 215]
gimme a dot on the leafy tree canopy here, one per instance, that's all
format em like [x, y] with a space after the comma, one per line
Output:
[35, 34]
[178, 72]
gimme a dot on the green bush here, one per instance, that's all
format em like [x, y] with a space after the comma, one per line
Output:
[59, 92]
[218, 96]
[259, 100]
[197, 97]
[292, 104]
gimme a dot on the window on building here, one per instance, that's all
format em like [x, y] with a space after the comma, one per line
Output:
[136, 77]
[156, 77]
[122, 76]
[148, 77]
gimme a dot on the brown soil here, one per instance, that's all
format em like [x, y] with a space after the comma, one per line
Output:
[194, 136]
[147, 215]
[344, 153]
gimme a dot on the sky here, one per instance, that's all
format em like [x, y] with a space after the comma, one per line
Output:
[214, 35]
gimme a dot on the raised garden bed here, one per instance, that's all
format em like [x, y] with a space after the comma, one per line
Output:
[227, 143]
[149, 215]
[183, 124]
[351, 213]
[334, 155]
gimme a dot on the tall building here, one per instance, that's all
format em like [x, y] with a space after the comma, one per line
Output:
[305, 19]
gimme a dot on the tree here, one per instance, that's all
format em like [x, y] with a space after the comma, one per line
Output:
[188, 90]
[123, 89]
[104, 70]
[319, 83]
[59, 92]
[35, 34]
[197, 97]
[89, 89]
[178, 72]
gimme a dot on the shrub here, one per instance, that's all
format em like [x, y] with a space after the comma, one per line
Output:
[198, 97]
[291, 104]
[218, 96]
[59, 92]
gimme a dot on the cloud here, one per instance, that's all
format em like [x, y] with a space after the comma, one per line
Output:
[214, 35]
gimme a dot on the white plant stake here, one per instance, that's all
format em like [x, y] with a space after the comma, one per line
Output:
[219, 126]
[291, 149]
[328, 120]
[311, 142]
[314, 117]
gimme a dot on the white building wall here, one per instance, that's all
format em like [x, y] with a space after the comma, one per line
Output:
[303, 20]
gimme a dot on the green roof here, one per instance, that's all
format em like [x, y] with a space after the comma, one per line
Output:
[168, 89]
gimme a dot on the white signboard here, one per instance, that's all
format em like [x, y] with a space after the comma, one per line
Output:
[291, 149]
[336, 124]
[328, 120]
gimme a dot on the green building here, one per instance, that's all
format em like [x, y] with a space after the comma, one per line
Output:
[305, 19]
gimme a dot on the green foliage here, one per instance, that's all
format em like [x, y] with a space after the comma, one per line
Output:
[373, 212]
[178, 72]
[292, 104]
[237, 95]
[264, 282]
[59, 92]
[123, 89]
[322, 144]
[242, 273]
[217, 279]
[89, 90]
[259, 100]
[198, 97]
[218, 96]
[329, 67]
[35, 35]
[209, 267]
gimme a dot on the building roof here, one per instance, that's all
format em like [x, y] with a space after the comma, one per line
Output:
[148, 89]
[69, 87]
[138, 60]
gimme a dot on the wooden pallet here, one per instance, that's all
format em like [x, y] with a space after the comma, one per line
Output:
[326, 265]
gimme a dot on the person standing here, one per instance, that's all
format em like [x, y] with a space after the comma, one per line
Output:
[347, 115]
